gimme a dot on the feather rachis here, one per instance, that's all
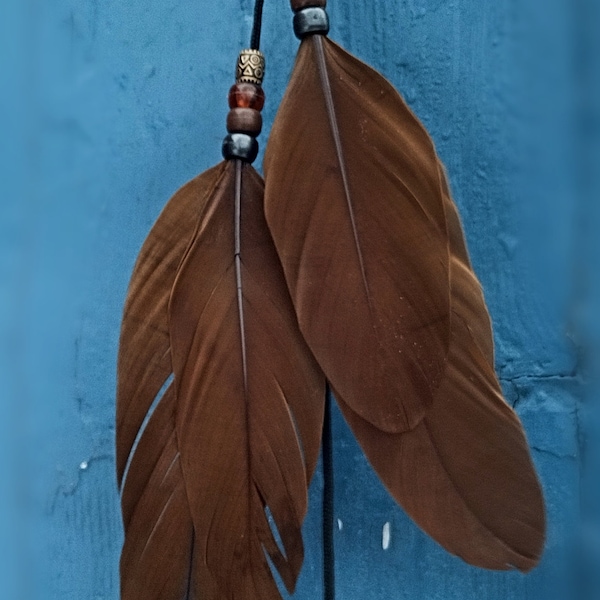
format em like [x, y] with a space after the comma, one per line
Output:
[326, 85]
[238, 267]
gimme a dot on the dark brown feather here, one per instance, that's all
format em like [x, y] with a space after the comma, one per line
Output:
[364, 250]
[160, 560]
[144, 349]
[156, 509]
[159, 538]
[464, 474]
[376, 261]
[243, 385]
[239, 428]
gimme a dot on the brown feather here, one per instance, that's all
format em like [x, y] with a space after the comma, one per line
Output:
[157, 511]
[375, 258]
[158, 548]
[159, 560]
[241, 373]
[464, 474]
[347, 222]
[144, 363]
[239, 428]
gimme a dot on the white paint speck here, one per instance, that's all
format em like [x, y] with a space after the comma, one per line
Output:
[340, 525]
[84, 465]
[386, 536]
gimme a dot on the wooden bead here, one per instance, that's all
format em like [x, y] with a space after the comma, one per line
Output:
[246, 95]
[300, 4]
[244, 120]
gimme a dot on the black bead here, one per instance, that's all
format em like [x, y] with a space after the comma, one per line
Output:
[311, 20]
[240, 145]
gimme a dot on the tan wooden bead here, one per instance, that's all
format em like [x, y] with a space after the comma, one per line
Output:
[300, 4]
[244, 120]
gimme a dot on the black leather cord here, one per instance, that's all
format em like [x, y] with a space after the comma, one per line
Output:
[328, 508]
[257, 26]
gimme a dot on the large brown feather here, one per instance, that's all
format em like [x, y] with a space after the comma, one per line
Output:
[158, 553]
[464, 474]
[144, 363]
[245, 380]
[239, 428]
[364, 250]
[375, 259]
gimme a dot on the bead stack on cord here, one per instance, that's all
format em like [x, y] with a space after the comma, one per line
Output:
[246, 100]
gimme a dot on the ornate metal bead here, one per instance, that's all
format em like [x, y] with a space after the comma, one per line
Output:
[300, 4]
[311, 20]
[250, 67]
[240, 145]
[244, 120]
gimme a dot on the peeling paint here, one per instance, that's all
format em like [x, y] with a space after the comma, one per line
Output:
[386, 536]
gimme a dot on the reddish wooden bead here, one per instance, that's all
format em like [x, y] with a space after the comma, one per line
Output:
[246, 95]
[244, 120]
[300, 4]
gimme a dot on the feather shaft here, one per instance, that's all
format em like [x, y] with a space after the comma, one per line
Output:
[238, 267]
[335, 132]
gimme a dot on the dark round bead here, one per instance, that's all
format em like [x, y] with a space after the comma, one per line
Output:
[246, 95]
[309, 21]
[300, 4]
[241, 146]
[244, 120]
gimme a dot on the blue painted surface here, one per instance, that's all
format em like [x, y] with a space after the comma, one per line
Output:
[115, 105]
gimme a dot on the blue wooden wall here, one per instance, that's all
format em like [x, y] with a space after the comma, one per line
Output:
[113, 105]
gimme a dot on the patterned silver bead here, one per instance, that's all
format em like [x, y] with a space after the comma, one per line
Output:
[250, 67]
